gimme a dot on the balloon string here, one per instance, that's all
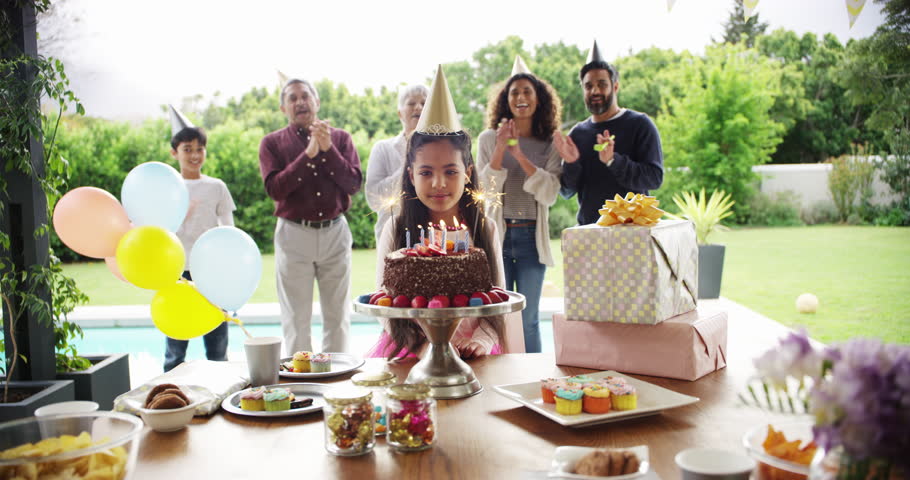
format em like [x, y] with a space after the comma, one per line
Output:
[239, 323]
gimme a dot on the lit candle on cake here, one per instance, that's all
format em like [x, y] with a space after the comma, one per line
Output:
[407, 238]
[432, 236]
[442, 226]
[465, 228]
[421, 233]
[455, 227]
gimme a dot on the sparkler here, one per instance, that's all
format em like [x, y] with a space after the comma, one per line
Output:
[485, 198]
[391, 202]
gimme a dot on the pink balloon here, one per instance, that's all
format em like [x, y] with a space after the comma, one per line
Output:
[90, 221]
[111, 263]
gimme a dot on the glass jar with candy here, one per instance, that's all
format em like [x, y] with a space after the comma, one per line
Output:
[348, 421]
[377, 382]
[411, 415]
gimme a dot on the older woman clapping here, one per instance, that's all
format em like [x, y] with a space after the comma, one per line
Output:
[387, 157]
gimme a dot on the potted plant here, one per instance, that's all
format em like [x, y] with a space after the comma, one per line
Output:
[21, 398]
[706, 215]
[33, 286]
[99, 378]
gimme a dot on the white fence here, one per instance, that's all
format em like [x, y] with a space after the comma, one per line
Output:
[810, 182]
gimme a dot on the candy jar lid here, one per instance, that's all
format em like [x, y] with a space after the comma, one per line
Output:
[408, 391]
[374, 379]
[347, 395]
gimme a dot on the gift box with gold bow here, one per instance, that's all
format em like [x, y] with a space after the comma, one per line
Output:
[628, 273]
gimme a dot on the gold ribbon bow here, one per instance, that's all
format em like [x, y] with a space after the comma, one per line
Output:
[635, 209]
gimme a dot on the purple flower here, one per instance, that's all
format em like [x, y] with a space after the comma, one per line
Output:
[863, 404]
[793, 358]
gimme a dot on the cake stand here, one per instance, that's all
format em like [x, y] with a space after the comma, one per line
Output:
[441, 368]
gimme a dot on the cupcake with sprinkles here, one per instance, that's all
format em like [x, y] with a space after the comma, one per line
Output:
[301, 362]
[548, 388]
[582, 379]
[568, 401]
[597, 399]
[320, 363]
[624, 396]
[252, 399]
[277, 399]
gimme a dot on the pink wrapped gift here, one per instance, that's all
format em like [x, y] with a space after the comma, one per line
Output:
[628, 273]
[687, 346]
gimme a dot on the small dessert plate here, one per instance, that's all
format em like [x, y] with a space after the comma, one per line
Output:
[565, 458]
[310, 390]
[341, 363]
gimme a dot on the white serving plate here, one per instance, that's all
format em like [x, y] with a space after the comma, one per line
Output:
[312, 390]
[341, 363]
[565, 458]
[651, 401]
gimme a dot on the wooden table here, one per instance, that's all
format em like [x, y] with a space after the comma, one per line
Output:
[485, 436]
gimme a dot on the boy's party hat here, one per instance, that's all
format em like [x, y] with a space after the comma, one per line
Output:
[439, 116]
[520, 67]
[178, 121]
[282, 79]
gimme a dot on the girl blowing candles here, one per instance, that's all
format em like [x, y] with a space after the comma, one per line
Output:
[438, 168]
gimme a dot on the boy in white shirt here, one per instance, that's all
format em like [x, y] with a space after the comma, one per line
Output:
[211, 205]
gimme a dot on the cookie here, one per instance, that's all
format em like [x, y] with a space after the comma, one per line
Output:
[303, 402]
[156, 390]
[176, 391]
[607, 463]
[167, 401]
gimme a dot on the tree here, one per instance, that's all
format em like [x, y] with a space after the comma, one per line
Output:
[738, 29]
[829, 125]
[875, 72]
[722, 126]
[559, 64]
[643, 82]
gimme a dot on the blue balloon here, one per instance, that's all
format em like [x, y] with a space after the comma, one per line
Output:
[226, 266]
[153, 193]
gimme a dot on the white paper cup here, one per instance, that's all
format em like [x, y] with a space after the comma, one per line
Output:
[79, 406]
[714, 464]
[263, 354]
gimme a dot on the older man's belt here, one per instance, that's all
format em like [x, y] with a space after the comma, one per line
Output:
[319, 224]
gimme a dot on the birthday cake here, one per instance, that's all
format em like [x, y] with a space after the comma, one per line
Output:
[461, 273]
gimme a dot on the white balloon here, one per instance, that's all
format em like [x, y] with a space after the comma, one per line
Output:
[154, 193]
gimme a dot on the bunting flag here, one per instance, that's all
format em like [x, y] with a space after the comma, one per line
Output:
[854, 7]
[749, 8]
[670, 4]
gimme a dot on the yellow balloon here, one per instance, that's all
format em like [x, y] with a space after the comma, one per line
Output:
[182, 313]
[150, 257]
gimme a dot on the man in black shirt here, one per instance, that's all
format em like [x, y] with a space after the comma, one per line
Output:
[615, 151]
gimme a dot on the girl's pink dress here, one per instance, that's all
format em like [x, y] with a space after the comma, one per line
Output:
[384, 347]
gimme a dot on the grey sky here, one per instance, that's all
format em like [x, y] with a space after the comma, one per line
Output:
[127, 57]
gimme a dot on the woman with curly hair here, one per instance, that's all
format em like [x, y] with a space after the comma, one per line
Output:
[516, 156]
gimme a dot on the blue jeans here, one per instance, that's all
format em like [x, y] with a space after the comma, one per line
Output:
[524, 274]
[216, 343]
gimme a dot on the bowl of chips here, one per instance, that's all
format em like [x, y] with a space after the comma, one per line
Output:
[97, 445]
[783, 451]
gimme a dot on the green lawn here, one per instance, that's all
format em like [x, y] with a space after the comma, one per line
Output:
[860, 275]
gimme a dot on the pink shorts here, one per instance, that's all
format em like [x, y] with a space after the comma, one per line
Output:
[384, 347]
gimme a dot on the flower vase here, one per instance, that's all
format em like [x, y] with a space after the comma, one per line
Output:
[836, 464]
